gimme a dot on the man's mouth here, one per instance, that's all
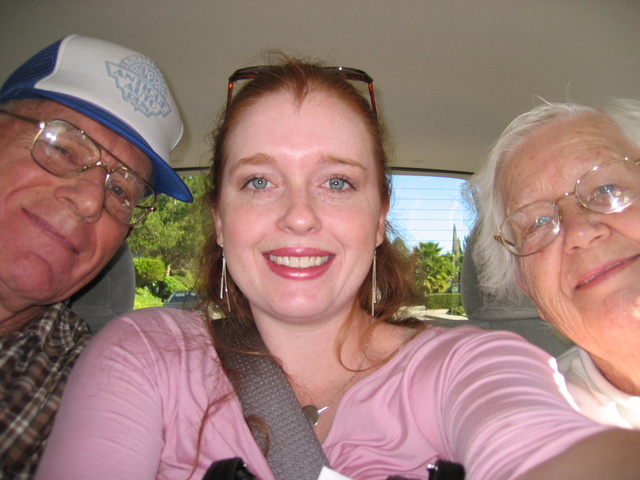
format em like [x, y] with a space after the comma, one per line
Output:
[53, 232]
[299, 262]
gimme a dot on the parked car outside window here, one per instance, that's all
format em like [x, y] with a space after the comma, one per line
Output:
[455, 288]
[184, 299]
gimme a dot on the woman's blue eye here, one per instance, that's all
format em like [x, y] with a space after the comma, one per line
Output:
[540, 222]
[258, 183]
[338, 184]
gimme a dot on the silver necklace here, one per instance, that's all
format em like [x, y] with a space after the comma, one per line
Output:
[313, 413]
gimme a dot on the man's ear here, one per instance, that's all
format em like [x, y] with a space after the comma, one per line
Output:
[217, 222]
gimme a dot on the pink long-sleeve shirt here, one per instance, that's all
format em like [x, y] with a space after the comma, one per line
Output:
[135, 403]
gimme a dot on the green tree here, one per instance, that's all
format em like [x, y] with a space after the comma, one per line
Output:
[149, 271]
[433, 270]
[175, 231]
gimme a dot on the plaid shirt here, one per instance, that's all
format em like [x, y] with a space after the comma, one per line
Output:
[35, 363]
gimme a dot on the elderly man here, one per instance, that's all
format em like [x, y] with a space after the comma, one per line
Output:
[560, 193]
[86, 128]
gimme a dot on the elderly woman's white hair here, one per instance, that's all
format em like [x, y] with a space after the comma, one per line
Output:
[497, 268]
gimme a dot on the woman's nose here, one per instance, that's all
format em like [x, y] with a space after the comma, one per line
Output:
[300, 212]
[84, 193]
[581, 228]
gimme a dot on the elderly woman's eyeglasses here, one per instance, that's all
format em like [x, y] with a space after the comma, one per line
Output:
[65, 151]
[352, 74]
[607, 188]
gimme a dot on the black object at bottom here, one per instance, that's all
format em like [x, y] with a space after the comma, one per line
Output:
[442, 470]
[235, 469]
[231, 469]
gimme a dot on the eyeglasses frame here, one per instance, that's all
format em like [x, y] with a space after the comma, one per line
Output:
[43, 124]
[508, 245]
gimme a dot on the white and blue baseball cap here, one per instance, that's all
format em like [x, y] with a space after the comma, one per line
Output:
[118, 87]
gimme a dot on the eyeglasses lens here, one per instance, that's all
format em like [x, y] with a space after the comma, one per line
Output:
[531, 228]
[127, 198]
[608, 188]
[65, 151]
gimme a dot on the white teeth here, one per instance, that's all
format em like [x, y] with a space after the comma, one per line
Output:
[299, 262]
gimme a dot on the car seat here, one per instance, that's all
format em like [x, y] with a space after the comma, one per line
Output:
[108, 295]
[519, 316]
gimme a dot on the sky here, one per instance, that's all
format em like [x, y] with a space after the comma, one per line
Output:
[425, 209]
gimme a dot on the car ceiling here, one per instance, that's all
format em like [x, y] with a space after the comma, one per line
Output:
[448, 75]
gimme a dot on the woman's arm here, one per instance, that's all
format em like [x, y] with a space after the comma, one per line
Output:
[109, 425]
[611, 455]
[503, 408]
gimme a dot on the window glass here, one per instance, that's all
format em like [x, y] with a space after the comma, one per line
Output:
[429, 209]
[432, 223]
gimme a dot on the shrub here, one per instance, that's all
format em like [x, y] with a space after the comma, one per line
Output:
[144, 298]
[148, 271]
[440, 301]
[168, 285]
[185, 277]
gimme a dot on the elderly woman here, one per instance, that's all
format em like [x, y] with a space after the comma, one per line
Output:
[300, 257]
[559, 220]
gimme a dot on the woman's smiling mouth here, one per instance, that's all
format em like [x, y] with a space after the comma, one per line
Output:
[607, 269]
[299, 262]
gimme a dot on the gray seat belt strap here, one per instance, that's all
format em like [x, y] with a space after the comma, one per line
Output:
[294, 452]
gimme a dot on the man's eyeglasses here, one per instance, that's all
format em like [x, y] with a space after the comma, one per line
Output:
[347, 73]
[607, 188]
[65, 151]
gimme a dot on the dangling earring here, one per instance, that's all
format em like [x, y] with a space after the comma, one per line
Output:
[224, 291]
[374, 286]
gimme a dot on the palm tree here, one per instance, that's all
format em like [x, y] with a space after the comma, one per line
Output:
[433, 270]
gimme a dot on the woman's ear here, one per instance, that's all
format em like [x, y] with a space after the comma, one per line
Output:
[382, 224]
[217, 222]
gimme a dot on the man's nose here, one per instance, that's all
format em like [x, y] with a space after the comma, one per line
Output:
[84, 194]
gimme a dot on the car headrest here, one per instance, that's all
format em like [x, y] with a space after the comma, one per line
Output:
[108, 295]
[518, 315]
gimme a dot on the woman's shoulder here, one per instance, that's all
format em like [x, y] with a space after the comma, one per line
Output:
[157, 318]
[159, 327]
[465, 342]
[466, 333]
[159, 343]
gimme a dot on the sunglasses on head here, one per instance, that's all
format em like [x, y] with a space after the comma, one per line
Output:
[352, 74]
